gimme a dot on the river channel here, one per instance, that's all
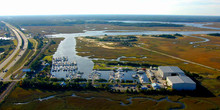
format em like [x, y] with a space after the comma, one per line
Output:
[130, 100]
[67, 47]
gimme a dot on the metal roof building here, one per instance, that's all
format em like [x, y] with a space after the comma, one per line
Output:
[166, 71]
[155, 86]
[181, 83]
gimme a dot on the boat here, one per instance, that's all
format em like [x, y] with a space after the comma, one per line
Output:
[135, 76]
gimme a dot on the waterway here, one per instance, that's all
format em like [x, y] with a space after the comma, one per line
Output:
[121, 102]
[68, 45]
[198, 25]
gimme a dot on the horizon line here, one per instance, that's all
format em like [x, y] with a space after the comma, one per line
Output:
[107, 14]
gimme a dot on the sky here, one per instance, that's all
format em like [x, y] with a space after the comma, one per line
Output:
[146, 7]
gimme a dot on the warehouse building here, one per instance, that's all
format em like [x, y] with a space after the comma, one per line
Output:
[166, 71]
[181, 83]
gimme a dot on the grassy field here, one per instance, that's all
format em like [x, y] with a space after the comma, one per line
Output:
[215, 24]
[201, 103]
[201, 53]
[180, 47]
[101, 100]
[53, 46]
[6, 47]
[213, 85]
[54, 29]
[177, 47]
[91, 27]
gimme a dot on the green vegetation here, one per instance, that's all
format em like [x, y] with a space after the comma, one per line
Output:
[3, 86]
[165, 36]
[79, 19]
[99, 100]
[177, 34]
[199, 103]
[146, 24]
[119, 39]
[2, 50]
[64, 100]
[76, 22]
[5, 42]
[109, 65]
[123, 40]
[145, 59]
[42, 86]
[7, 47]
[40, 42]
[22, 61]
[47, 84]
[46, 56]
[215, 34]
[115, 38]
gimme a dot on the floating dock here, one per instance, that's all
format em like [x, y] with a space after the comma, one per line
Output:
[63, 68]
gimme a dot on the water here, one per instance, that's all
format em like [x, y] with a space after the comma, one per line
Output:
[40, 99]
[159, 100]
[67, 46]
[121, 103]
[198, 25]
[204, 40]
[127, 75]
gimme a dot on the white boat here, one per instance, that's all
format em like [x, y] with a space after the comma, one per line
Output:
[135, 76]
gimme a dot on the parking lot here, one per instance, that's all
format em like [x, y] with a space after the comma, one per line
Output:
[157, 78]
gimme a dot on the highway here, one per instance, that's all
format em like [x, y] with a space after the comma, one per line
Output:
[21, 51]
[42, 50]
[18, 78]
[4, 63]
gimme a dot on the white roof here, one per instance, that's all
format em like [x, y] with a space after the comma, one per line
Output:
[5, 38]
[180, 79]
[170, 69]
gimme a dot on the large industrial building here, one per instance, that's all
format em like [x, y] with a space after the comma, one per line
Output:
[181, 83]
[176, 78]
[166, 71]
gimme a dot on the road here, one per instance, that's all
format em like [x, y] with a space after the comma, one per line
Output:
[179, 58]
[22, 74]
[42, 50]
[7, 91]
[4, 63]
[14, 82]
[20, 36]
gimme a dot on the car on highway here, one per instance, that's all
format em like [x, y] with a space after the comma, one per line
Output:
[6, 70]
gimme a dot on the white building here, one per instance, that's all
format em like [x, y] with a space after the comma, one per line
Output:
[5, 38]
[181, 83]
[166, 71]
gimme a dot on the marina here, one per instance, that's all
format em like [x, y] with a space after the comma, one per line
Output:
[67, 47]
[120, 75]
[63, 68]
